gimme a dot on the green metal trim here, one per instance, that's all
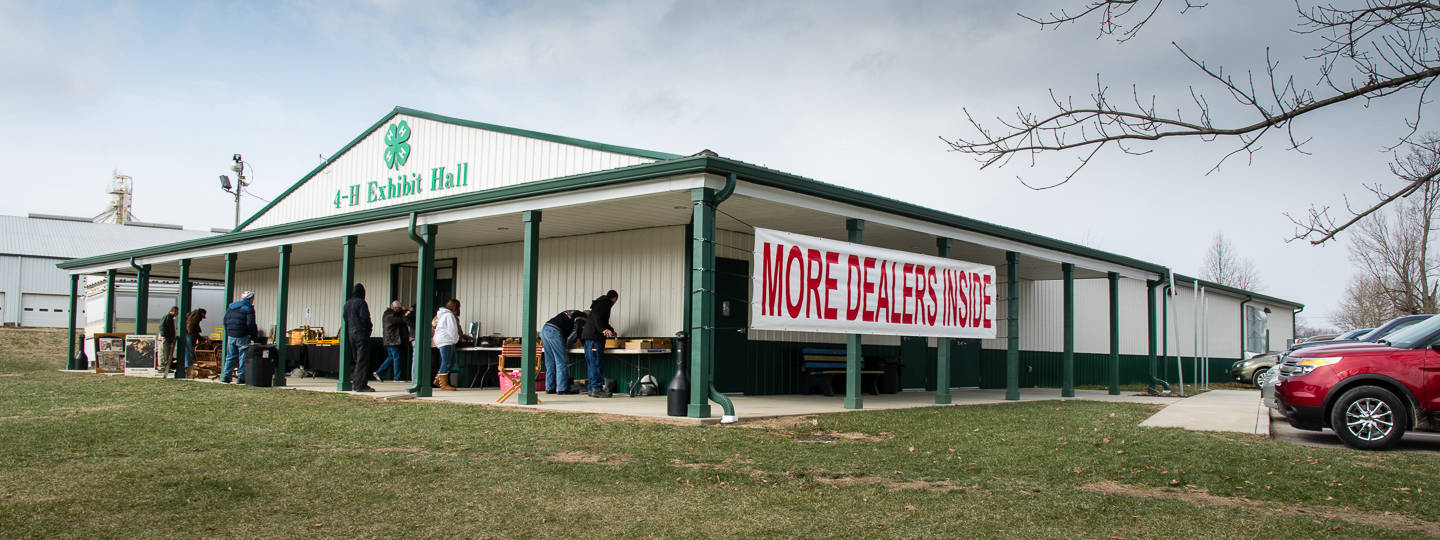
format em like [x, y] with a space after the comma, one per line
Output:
[109, 301]
[702, 319]
[74, 297]
[181, 336]
[1114, 279]
[942, 345]
[529, 292]
[230, 259]
[1012, 326]
[459, 122]
[854, 344]
[1238, 292]
[1067, 360]
[142, 297]
[424, 305]
[347, 279]
[282, 303]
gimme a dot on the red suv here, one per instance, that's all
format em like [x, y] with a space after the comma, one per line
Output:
[1368, 393]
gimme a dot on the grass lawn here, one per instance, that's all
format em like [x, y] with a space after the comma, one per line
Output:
[89, 456]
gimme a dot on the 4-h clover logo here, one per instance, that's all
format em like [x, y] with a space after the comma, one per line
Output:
[397, 151]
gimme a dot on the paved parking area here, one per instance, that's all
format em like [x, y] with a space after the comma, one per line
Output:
[1419, 442]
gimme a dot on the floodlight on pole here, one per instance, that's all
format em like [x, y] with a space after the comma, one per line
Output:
[239, 168]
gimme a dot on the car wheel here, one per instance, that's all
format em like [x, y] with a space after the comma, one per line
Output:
[1368, 418]
[1260, 376]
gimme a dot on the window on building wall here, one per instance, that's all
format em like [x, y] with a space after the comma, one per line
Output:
[1256, 324]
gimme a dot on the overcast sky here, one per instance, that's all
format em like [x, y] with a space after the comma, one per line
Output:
[850, 93]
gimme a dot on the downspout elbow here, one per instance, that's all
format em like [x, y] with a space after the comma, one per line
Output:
[410, 230]
[133, 265]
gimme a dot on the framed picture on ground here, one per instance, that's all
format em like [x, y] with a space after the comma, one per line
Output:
[140, 352]
[109, 353]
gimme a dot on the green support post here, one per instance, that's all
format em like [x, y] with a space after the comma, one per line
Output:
[142, 297]
[347, 279]
[424, 307]
[1152, 326]
[1114, 333]
[1012, 326]
[531, 267]
[702, 304]
[282, 303]
[853, 347]
[1067, 358]
[74, 296]
[182, 339]
[109, 301]
[942, 345]
[229, 295]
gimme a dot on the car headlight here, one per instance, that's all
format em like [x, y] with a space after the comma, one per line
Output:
[1306, 365]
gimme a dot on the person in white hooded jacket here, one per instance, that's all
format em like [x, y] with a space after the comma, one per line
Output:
[446, 335]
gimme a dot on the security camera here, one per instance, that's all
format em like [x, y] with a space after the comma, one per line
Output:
[225, 182]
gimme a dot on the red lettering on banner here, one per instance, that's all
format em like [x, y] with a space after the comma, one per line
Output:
[869, 314]
[814, 269]
[883, 303]
[793, 306]
[977, 304]
[933, 307]
[907, 292]
[774, 281]
[919, 295]
[963, 289]
[854, 300]
[895, 293]
[985, 308]
[831, 258]
[947, 297]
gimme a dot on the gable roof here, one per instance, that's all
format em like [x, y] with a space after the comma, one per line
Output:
[582, 143]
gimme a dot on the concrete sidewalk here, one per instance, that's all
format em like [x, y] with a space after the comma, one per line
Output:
[1238, 411]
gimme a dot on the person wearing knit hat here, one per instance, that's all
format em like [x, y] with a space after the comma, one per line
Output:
[239, 331]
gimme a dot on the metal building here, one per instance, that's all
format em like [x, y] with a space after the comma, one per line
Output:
[33, 292]
[519, 225]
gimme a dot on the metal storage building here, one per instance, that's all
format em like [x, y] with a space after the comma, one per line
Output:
[519, 225]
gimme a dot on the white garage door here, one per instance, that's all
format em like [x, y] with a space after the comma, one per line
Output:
[44, 310]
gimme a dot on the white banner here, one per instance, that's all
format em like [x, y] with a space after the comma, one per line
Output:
[808, 284]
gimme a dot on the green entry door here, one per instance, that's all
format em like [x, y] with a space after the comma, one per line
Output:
[913, 373]
[965, 363]
[733, 372]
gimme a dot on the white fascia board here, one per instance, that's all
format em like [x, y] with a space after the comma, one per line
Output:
[542, 202]
[851, 211]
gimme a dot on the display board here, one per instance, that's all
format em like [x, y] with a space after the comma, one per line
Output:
[140, 352]
[109, 353]
[809, 284]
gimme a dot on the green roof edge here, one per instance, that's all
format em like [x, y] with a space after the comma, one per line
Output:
[1237, 291]
[614, 149]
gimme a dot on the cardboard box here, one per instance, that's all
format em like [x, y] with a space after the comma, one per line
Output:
[639, 344]
[614, 344]
[662, 343]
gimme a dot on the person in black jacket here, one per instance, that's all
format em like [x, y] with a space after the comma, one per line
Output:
[557, 336]
[356, 316]
[597, 328]
[396, 333]
[167, 341]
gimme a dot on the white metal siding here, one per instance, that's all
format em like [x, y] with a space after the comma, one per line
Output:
[1224, 321]
[1042, 316]
[645, 266]
[495, 160]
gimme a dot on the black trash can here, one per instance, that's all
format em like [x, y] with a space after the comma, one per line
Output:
[890, 379]
[260, 364]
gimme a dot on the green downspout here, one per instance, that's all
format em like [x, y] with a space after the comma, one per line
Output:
[182, 338]
[74, 295]
[531, 268]
[347, 279]
[1151, 324]
[942, 345]
[282, 303]
[1114, 333]
[1247, 300]
[1067, 358]
[1012, 326]
[110, 301]
[424, 305]
[142, 296]
[702, 335]
[229, 294]
[853, 346]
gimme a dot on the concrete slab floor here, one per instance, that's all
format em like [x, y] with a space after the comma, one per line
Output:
[1238, 411]
[653, 408]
